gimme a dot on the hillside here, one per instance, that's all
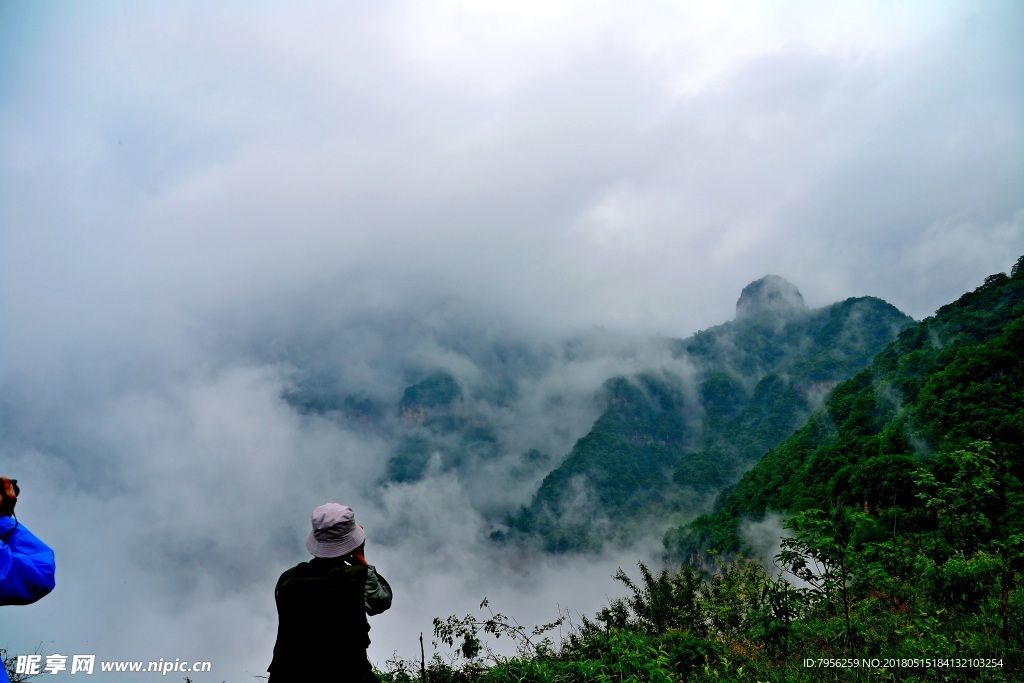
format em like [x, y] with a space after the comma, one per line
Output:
[901, 555]
[669, 439]
[593, 440]
[955, 379]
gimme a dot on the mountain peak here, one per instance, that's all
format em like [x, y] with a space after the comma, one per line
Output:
[770, 294]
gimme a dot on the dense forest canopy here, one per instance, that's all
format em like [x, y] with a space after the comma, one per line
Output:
[901, 553]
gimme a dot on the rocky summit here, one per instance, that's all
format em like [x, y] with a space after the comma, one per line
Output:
[770, 294]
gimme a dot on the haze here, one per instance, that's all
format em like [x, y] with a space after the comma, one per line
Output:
[198, 202]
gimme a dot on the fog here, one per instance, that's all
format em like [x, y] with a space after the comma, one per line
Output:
[174, 506]
[204, 208]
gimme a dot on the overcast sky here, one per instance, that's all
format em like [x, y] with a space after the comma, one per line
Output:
[174, 176]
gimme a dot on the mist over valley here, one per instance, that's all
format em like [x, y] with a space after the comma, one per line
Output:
[463, 444]
[530, 286]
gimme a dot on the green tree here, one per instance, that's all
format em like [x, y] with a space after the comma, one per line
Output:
[822, 553]
[960, 504]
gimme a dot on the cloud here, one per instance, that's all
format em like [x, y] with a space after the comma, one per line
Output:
[202, 207]
[173, 511]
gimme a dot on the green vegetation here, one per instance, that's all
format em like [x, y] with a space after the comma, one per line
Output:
[955, 379]
[439, 424]
[620, 465]
[659, 450]
[440, 389]
[902, 548]
[669, 439]
[848, 586]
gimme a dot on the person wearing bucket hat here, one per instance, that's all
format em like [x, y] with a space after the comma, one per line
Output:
[323, 604]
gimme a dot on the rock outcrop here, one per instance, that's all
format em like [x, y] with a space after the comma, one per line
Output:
[771, 294]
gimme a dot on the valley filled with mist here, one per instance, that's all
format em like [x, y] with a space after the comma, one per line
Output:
[542, 290]
[483, 462]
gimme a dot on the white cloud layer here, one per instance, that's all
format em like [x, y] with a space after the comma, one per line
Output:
[191, 192]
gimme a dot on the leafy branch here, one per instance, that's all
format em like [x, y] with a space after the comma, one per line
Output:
[468, 629]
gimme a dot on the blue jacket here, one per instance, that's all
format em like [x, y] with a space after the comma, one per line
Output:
[26, 568]
[26, 564]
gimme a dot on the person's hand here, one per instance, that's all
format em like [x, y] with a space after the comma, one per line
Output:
[8, 496]
[357, 554]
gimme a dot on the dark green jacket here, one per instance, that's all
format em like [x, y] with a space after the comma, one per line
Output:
[322, 631]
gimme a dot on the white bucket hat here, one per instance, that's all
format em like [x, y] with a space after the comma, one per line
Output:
[335, 532]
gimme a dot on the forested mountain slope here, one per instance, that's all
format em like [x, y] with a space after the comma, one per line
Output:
[603, 437]
[670, 439]
[955, 379]
[899, 547]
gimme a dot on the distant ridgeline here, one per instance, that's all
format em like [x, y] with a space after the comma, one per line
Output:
[939, 409]
[666, 443]
[667, 440]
